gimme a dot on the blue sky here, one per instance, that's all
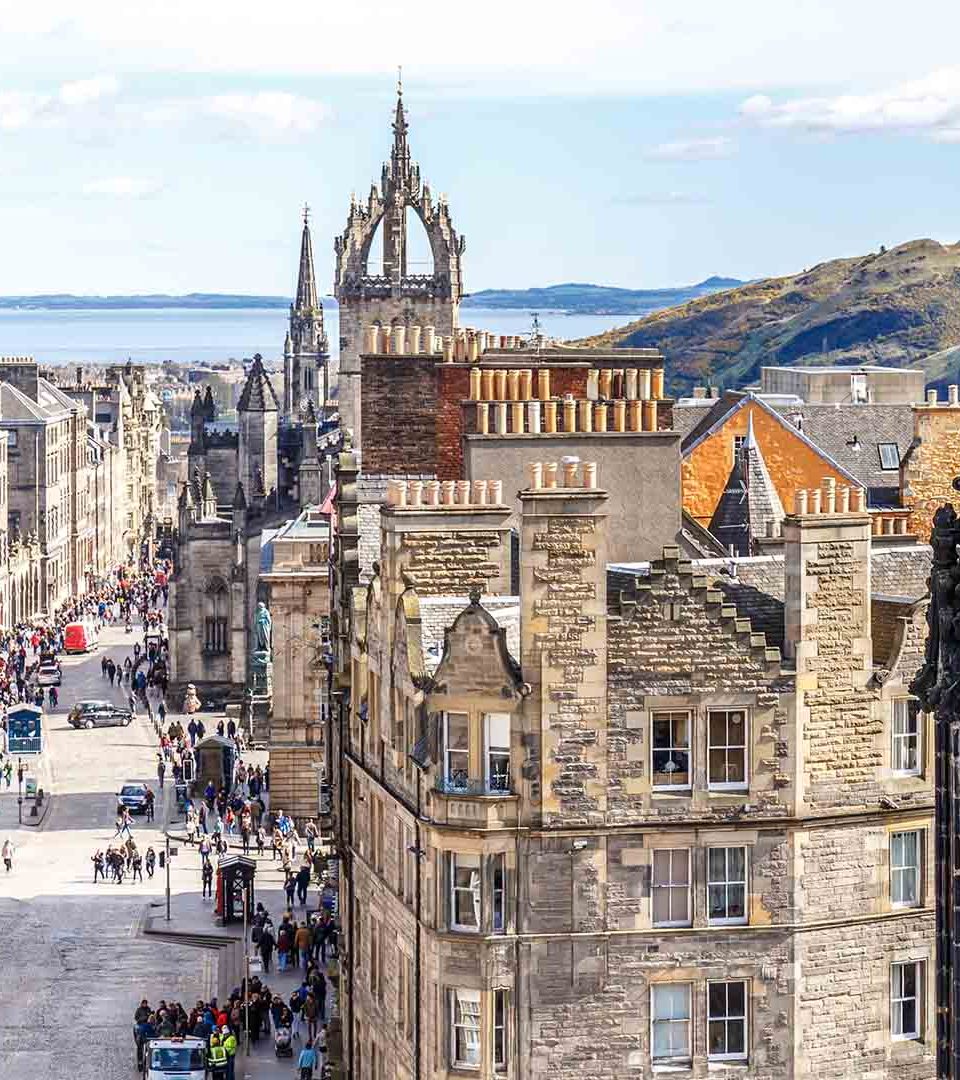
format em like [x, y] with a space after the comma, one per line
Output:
[168, 147]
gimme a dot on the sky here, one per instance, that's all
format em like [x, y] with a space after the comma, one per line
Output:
[169, 147]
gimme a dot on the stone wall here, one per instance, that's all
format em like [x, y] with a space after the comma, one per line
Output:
[929, 468]
[399, 414]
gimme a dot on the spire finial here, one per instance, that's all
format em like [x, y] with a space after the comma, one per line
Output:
[306, 213]
[399, 80]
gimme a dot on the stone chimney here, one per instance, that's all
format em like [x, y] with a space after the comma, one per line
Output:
[563, 640]
[828, 635]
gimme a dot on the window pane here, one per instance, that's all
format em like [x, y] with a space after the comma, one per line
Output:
[671, 749]
[736, 863]
[498, 729]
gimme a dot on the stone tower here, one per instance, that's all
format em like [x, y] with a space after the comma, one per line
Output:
[258, 412]
[305, 350]
[393, 297]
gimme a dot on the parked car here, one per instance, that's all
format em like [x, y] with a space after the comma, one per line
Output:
[49, 673]
[134, 797]
[91, 714]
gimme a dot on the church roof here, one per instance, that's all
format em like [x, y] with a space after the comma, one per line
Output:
[258, 395]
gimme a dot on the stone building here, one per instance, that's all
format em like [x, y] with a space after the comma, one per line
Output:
[124, 426]
[605, 825]
[47, 472]
[394, 297]
[295, 577]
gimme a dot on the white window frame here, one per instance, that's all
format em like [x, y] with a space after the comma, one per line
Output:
[727, 1018]
[900, 870]
[474, 889]
[730, 785]
[897, 1000]
[472, 998]
[465, 753]
[671, 1059]
[489, 750]
[688, 749]
[727, 883]
[899, 740]
[671, 886]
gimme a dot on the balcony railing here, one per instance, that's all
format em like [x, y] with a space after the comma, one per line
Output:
[461, 784]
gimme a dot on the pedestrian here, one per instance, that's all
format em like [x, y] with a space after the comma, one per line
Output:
[229, 1042]
[161, 770]
[54, 697]
[98, 867]
[289, 886]
[217, 1058]
[137, 865]
[206, 874]
[261, 839]
[151, 861]
[301, 942]
[205, 848]
[307, 1062]
[162, 711]
[303, 884]
[6, 853]
[150, 800]
[266, 946]
[132, 704]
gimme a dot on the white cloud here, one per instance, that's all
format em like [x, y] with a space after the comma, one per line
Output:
[268, 114]
[123, 187]
[720, 146]
[626, 44]
[87, 91]
[929, 106]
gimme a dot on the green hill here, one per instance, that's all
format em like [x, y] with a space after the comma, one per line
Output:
[899, 308]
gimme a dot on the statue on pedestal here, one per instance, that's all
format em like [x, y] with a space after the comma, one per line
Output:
[263, 631]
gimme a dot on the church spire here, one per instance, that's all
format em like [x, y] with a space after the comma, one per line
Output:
[401, 151]
[306, 281]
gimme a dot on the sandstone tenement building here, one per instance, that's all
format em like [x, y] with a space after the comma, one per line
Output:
[610, 801]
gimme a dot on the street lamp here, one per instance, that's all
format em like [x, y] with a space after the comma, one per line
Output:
[21, 770]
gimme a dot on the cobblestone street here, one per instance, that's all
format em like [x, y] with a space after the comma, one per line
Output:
[73, 957]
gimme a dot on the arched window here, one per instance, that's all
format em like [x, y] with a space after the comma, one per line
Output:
[216, 610]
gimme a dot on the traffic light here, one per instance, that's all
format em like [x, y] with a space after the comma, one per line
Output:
[163, 860]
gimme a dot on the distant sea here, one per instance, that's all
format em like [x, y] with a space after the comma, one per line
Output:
[191, 336]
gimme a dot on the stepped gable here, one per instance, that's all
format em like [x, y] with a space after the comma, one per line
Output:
[720, 605]
[258, 394]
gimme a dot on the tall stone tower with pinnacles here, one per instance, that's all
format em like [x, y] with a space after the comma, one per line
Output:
[393, 297]
[305, 351]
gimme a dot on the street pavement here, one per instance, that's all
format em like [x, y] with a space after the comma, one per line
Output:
[73, 960]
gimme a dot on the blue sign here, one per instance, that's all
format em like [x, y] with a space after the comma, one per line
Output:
[25, 730]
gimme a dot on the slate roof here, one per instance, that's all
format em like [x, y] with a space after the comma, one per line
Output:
[757, 589]
[851, 435]
[16, 407]
[831, 430]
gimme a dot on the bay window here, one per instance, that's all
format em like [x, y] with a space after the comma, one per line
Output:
[465, 892]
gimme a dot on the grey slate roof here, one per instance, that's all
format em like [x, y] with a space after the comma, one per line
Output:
[851, 435]
[757, 589]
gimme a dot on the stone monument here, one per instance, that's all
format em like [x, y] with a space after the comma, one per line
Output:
[261, 663]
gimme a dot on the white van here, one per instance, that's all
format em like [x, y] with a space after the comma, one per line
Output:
[175, 1059]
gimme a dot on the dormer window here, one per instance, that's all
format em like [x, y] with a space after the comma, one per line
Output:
[498, 751]
[456, 750]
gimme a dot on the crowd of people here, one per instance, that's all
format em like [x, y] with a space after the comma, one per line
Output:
[123, 859]
[257, 1011]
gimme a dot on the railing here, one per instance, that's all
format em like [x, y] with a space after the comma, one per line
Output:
[461, 784]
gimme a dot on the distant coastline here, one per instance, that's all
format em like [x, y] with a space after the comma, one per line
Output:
[571, 299]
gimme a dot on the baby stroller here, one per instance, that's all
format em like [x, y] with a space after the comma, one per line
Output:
[283, 1043]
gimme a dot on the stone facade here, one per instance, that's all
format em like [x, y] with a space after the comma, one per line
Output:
[297, 587]
[932, 463]
[569, 888]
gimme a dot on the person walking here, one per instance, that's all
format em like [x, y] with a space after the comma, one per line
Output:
[205, 847]
[151, 861]
[266, 946]
[137, 865]
[150, 800]
[303, 884]
[6, 853]
[98, 866]
[307, 1062]
[207, 875]
[161, 770]
[229, 1043]
[289, 887]
[301, 942]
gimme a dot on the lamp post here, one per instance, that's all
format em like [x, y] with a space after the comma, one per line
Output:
[21, 773]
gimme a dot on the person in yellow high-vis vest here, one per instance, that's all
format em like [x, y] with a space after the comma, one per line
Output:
[229, 1043]
[218, 1059]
